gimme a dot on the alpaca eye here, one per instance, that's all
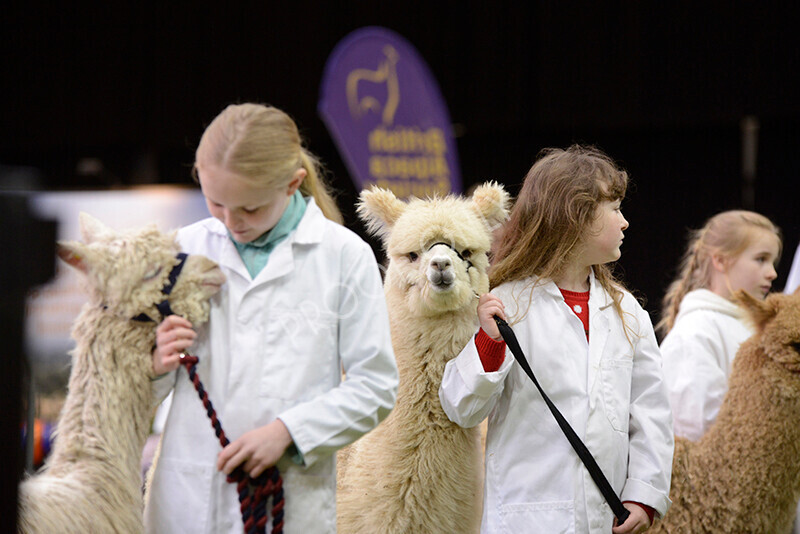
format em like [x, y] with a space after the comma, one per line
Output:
[412, 256]
[152, 273]
[466, 253]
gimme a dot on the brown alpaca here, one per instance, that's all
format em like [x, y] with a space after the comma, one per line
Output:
[92, 481]
[744, 474]
[418, 471]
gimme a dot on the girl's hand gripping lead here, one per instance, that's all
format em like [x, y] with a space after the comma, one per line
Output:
[173, 336]
[489, 306]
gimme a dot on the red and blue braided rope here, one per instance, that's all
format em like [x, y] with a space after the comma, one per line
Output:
[253, 492]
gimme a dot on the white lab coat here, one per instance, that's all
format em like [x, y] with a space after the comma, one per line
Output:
[609, 389]
[276, 347]
[698, 357]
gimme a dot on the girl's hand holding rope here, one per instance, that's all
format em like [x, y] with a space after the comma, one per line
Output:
[256, 450]
[173, 336]
[489, 306]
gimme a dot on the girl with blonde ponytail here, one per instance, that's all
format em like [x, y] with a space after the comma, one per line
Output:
[303, 302]
[703, 326]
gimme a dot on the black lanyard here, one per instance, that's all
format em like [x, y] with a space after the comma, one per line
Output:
[586, 457]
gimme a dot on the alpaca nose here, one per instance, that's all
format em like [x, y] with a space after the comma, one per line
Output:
[441, 263]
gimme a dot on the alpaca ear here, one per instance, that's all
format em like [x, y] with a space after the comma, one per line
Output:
[491, 202]
[760, 311]
[379, 209]
[74, 254]
[91, 228]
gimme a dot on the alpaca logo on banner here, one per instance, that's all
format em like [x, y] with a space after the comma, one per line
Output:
[384, 110]
[386, 74]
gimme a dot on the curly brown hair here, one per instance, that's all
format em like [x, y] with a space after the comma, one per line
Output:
[553, 213]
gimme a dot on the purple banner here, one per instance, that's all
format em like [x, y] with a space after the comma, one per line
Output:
[384, 110]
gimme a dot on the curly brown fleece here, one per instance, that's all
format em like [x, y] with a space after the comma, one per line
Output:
[744, 474]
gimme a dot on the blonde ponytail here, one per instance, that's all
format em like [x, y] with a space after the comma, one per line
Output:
[693, 274]
[313, 185]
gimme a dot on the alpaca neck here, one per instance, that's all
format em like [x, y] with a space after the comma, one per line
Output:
[105, 419]
[423, 346]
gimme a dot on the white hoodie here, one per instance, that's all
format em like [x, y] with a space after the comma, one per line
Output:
[698, 355]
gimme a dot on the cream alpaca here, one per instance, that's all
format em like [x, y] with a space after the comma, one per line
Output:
[92, 480]
[418, 471]
[744, 473]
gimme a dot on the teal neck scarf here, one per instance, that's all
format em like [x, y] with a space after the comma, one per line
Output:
[255, 254]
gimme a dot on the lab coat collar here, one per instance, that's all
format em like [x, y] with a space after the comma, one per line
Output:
[602, 298]
[597, 295]
[600, 306]
[228, 257]
[599, 330]
[309, 231]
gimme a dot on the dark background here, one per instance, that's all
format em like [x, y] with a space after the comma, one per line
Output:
[662, 88]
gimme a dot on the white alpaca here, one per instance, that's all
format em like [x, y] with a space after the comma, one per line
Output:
[92, 479]
[418, 471]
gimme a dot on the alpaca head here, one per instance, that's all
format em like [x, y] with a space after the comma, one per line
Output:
[777, 323]
[125, 272]
[437, 248]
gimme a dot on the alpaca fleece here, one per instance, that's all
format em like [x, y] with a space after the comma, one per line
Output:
[744, 473]
[418, 471]
[92, 480]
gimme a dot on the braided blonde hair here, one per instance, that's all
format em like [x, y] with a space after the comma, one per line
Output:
[262, 144]
[726, 234]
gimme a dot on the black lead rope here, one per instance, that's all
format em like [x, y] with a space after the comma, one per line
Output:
[586, 457]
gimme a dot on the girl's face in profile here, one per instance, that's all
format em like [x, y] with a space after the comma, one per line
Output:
[604, 238]
[754, 269]
[246, 211]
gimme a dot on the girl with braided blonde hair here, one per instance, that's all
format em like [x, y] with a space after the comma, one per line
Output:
[703, 326]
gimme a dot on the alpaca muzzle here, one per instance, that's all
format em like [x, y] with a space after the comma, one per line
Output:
[440, 267]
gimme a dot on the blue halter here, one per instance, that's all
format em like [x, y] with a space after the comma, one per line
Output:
[163, 307]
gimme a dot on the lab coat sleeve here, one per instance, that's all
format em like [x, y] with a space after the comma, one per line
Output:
[344, 413]
[467, 392]
[650, 426]
[161, 386]
[696, 382]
